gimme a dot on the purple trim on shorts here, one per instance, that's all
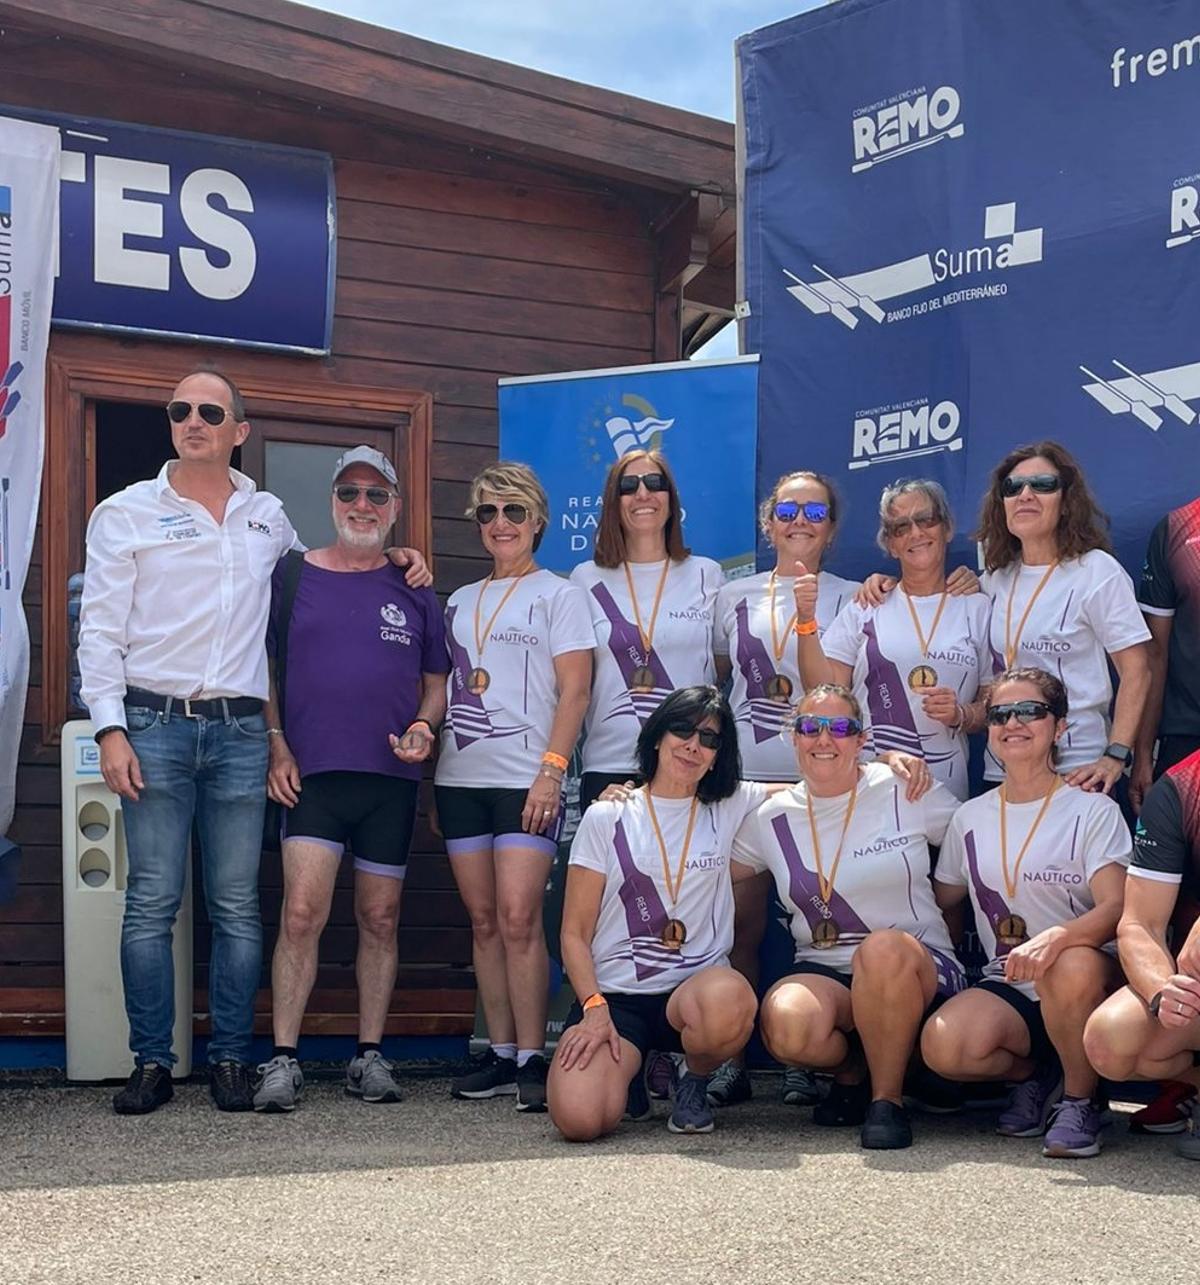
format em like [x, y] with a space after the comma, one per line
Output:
[329, 844]
[542, 844]
[378, 868]
[474, 843]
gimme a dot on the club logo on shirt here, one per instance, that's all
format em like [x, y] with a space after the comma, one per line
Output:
[261, 528]
[882, 845]
[1051, 876]
[394, 625]
[692, 613]
[178, 526]
[393, 615]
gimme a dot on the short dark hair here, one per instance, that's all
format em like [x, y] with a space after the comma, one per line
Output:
[236, 405]
[1051, 687]
[610, 538]
[692, 705]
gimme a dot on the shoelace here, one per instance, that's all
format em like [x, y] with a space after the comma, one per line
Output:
[1025, 1096]
[691, 1093]
[1071, 1113]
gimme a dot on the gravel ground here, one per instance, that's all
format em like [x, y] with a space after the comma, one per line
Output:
[432, 1190]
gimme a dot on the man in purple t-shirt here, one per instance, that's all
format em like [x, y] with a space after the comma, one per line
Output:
[364, 690]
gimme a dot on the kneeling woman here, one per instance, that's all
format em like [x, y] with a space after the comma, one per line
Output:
[850, 856]
[1044, 865]
[647, 926]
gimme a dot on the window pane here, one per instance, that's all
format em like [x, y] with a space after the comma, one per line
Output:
[301, 474]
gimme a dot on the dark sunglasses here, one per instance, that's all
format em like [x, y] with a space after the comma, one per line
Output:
[840, 726]
[790, 510]
[685, 731]
[378, 495]
[628, 483]
[1025, 712]
[902, 526]
[209, 412]
[485, 514]
[1038, 483]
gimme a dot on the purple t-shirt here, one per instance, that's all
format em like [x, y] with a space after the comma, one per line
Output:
[358, 644]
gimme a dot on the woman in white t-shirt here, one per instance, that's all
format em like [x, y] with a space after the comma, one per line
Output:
[652, 604]
[521, 646]
[647, 925]
[1062, 602]
[849, 853]
[917, 660]
[1043, 863]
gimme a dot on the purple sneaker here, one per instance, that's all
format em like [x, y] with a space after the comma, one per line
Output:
[1074, 1129]
[1030, 1102]
[661, 1074]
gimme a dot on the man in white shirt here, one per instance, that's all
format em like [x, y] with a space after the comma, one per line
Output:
[174, 613]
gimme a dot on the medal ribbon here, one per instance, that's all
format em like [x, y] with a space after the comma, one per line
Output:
[674, 887]
[1010, 643]
[826, 885]
[646, 637]
[926, 643]
[481, 638]
[1010, 885]
[776, 646]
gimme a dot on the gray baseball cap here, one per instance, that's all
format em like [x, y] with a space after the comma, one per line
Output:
[365, 455]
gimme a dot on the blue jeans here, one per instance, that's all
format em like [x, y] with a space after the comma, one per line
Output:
[214, 772]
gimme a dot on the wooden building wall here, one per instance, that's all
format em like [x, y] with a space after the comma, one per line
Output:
[454, 267]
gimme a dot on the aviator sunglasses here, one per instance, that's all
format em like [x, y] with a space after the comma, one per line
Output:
[1038, 483]
[790, 510]
[377, 495]
[902, 526]
[1025, 712]
[485, 514]
[209, 412]
[685, 731]
[839, 726]
[628, 482]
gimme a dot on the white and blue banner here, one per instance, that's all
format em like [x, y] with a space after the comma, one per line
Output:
[701, 414]
[189, 235]
[29, 161]
[968, 226]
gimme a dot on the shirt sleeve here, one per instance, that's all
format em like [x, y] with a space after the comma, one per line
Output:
[109, 577]
[938, 806]
[724, 608]
[843, 638]
[1156, 594]
[435, 659]
[952, 859]
[592, 843]
[990, 662]
[570, 622]
[747, 844]
[1160, 846]
[273, 613]
[1107, 840]
[1111, 609]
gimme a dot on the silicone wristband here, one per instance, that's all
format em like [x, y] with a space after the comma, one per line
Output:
[806, 627]
[555, 760]
[594, 1001]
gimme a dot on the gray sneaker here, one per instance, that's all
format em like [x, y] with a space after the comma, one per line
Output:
[1188, 1146]
[373, 1078]
[280, 1086]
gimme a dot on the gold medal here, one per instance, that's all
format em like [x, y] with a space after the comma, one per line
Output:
[779, 689]
[674, 934]
[826, 934]
[922, 676]
[642, 679]
[1011, 931]
[478, 681]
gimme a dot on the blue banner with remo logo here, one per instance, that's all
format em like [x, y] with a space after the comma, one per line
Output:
[700, 414]
[968, 226]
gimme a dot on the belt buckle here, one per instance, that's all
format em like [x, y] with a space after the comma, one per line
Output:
[187, 708]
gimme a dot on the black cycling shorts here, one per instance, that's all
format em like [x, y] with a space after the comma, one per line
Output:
[471, 818]
[371, 814]
[640, 1019]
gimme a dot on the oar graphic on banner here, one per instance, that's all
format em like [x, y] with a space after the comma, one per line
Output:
[1176, 405]
[955, 131]
[816, 303]
[865, 302]
[1139, 408]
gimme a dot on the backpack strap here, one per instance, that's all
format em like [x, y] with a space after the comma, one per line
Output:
[293, 568]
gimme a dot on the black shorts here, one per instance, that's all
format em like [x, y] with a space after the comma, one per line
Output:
[593, 784]
[368, 812]
[1041, 1049]
[836, 975]
[472, 818]
[640, 1019]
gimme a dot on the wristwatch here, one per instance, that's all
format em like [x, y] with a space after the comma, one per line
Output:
[1122, 753]
[1155, 1003]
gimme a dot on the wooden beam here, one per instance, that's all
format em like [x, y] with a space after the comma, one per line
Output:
[667, 335]
[714, 289]
[274, 47]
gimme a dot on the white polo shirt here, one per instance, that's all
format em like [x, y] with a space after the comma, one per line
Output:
[173, 602]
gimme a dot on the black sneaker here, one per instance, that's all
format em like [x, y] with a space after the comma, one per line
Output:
[845, 1104]
[531, 1084]
[637, 1103]
[146, 1090]
[886, 1127]
[489, 1077]
[230, 1086]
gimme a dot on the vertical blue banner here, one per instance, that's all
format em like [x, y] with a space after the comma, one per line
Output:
[968, 226]
[700, 414]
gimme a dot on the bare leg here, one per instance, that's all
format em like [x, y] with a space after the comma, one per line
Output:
[713, 1011]
[977, 1036]
[750, 899]
[586, 1103]
[377, 910]
[805, 1021]
[1071, 989]
[1123, 1042]
[521, 874]
[309, 870]
[474, 873]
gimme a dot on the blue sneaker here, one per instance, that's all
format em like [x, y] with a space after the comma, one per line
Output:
[691, 1113]
[1030, 1103]
[1074, 1131]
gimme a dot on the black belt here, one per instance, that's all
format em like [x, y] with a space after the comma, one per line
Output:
[219, 707]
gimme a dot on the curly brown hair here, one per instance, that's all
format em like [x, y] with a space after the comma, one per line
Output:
[1082, 524]
[610, 537]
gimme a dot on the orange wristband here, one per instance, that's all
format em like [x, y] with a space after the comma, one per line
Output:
[555, 760]
[595, 1001]
[806, 627]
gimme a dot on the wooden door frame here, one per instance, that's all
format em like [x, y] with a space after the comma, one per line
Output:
[73, 386]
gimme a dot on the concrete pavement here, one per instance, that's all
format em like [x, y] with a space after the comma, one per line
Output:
[432, 1190]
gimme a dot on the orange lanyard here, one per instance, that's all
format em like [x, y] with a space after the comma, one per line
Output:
[481, 638]
[1010, 643]
[776, 646]
[926, 643]
[646, 637]
[1010, 885]
[826, 885]
[674, 887]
